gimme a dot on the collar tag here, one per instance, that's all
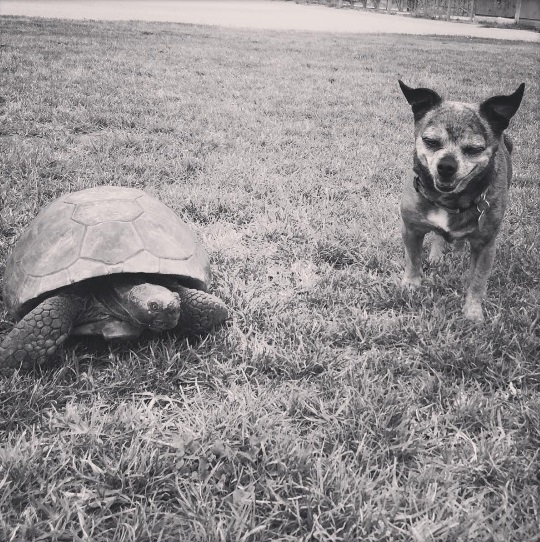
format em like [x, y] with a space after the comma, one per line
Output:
[481, 220]
[482, 206]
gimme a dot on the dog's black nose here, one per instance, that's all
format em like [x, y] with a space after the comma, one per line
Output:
[447, 166]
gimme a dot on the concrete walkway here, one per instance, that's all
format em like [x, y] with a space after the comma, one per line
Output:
[258, 14]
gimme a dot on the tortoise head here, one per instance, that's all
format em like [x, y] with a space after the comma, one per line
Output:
[153, 306]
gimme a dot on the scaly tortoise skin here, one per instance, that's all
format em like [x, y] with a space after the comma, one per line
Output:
[107, 261]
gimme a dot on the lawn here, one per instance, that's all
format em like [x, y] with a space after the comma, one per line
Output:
[335, 406]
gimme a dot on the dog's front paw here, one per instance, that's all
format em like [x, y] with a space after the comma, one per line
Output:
[412, 282]
[473, 311]
[438, 248]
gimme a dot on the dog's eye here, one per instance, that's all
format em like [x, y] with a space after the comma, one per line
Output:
[153, 306]
[473, 150]
[432, 144]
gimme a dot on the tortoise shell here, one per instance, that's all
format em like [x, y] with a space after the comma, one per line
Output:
[97, 232]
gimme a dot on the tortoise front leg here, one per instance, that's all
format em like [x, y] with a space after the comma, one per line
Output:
[200, 311]
[39, 334]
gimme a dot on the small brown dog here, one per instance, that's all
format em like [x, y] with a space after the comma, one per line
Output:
[459, 184]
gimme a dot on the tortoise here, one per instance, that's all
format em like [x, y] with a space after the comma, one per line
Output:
[109, 261]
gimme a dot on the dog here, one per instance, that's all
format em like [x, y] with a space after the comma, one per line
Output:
[459, 184]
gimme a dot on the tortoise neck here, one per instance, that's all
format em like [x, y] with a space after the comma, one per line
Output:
[113, 298]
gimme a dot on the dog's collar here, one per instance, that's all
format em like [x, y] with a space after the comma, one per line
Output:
[480, 202]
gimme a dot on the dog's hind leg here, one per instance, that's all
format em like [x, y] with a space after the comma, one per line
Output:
[438, 248]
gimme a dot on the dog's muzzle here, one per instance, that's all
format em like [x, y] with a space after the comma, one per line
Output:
[446, 168]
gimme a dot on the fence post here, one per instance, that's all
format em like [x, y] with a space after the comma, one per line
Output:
[518, 10]
[339, 4]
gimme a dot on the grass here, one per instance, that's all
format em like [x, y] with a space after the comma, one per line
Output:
[336, 406]
[509, 23]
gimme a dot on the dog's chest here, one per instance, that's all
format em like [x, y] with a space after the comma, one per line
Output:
[451, 226]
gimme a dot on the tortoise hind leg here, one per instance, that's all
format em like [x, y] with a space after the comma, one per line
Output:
[39, 334]
[200, 311]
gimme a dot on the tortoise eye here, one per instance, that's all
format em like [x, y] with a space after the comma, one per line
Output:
[153, 306]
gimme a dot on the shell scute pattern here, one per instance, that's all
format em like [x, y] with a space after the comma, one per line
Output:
[30, 287]
[55, 281]
[84, 269]
[158, 237]
[97, 212]
[54, 250]
[155, 207]
[111, 242]
[142, 260]
[38, 229]
[195, 266]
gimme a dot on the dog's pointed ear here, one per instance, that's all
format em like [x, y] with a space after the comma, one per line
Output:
[500, 109]
[420, 99]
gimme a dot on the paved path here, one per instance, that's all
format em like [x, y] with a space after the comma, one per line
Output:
[262, 14]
